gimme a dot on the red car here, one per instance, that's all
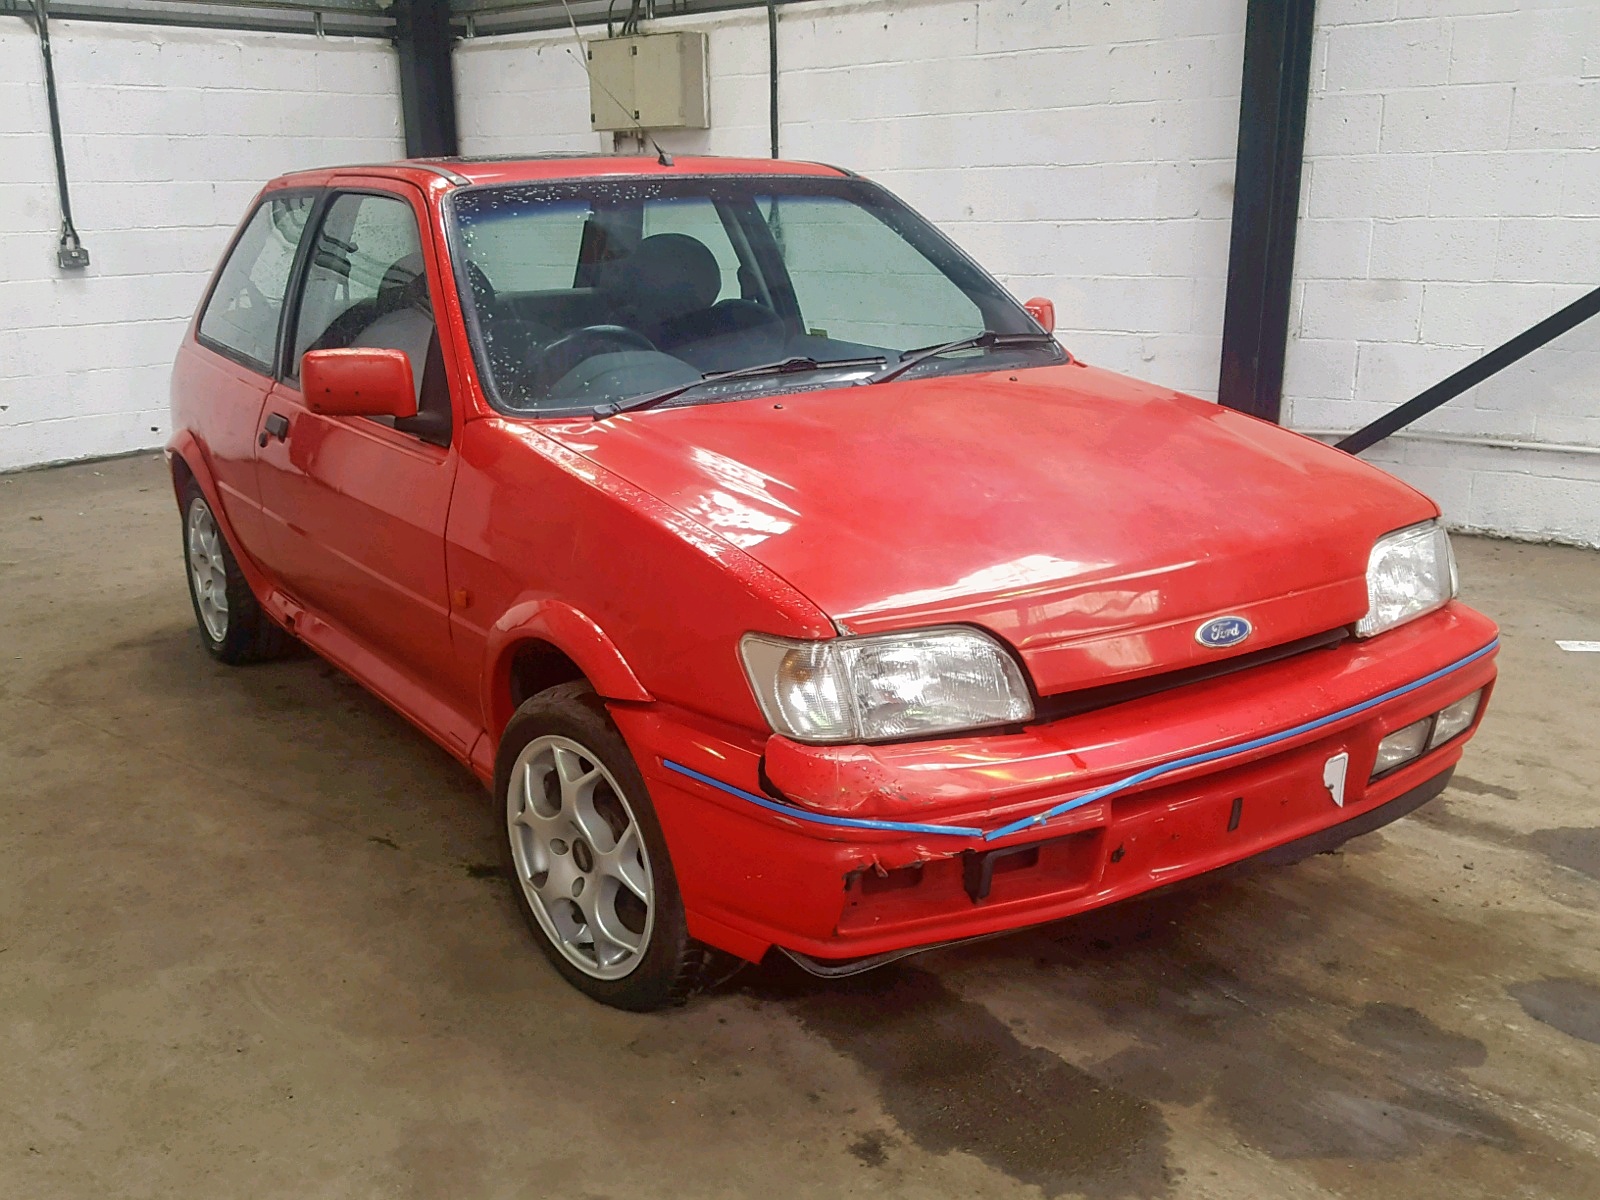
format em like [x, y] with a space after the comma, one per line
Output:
[786, 580]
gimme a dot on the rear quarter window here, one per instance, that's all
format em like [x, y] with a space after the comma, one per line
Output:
[241, 318]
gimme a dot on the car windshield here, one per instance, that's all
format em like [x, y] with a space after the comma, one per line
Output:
[585, 295]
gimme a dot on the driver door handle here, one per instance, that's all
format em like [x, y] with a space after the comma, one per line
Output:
[277, 426]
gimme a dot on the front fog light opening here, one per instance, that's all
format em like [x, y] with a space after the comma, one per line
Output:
[1455, 719]
[1402, 746]
[1420, 737]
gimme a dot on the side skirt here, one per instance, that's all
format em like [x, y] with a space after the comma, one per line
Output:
[454, 732]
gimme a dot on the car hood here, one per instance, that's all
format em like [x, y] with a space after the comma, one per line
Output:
[1091, 521]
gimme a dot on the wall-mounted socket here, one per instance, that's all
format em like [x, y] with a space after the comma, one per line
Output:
[71, 255]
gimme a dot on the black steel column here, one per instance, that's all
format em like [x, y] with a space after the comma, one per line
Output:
[1266, 202]
[427, 80]
[772, 72]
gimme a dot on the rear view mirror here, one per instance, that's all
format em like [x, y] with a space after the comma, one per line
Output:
[358, 383]
[1042, 311]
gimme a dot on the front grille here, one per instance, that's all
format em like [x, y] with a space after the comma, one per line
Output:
[1071, 704]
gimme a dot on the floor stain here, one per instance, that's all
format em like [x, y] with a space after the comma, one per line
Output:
[1477, 787]
[1404, 1032]
[1570, 1005]
[1207, 1032]
[1576, 848]
[483, 870]
[955, 1078]
[872, 1148]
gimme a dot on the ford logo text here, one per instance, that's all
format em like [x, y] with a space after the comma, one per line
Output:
[1223, 631]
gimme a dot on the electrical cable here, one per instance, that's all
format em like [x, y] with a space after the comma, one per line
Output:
[582, 56]
[70, 254]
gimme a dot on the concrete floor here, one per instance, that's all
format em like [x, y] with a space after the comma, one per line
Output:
[250, 946]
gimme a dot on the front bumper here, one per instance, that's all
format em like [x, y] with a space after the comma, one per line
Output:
[845, 852]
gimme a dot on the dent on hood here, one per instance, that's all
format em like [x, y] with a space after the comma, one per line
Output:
[1026, 592]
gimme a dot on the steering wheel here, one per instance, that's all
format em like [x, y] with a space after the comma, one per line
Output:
[561, 355]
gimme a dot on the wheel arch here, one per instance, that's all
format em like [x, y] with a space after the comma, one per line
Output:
[541, 642]
[186, 460]
[182, 473]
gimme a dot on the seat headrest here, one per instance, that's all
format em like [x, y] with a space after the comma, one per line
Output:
[405, 285]
[667, 275]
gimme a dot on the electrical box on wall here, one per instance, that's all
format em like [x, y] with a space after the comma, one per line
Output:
[657, 80]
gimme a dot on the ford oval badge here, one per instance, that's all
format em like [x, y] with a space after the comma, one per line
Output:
[1223, 631]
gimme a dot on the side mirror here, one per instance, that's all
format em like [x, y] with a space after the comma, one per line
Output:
[358, 383]
[1042, 311]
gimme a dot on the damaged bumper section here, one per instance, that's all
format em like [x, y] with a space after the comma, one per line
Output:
[848, 856]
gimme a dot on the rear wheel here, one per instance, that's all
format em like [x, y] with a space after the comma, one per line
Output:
[587, 858]
[232, 626]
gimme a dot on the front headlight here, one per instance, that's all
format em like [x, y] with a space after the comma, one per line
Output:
[1411, 571]
[896, 685]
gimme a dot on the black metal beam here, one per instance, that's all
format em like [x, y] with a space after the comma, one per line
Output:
[1475, 372]
[484, 18]
[427, 79]
[341, 18]
[1266, 202]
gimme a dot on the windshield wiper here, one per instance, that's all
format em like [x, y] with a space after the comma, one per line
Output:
[784, 366]
[979, 341]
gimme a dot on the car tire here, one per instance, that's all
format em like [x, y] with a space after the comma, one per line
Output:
[233, 628]
[586, 857]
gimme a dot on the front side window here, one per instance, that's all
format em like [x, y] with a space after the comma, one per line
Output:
[585, 295]
[367, 284]
[241, 318]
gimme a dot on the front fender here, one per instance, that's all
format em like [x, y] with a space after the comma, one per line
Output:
[544, 619]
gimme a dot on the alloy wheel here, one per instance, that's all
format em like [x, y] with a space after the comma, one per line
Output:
[208, 570]
[580, 857]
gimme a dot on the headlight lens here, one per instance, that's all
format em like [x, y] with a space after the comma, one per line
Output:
[1410, 572]
[891, 686]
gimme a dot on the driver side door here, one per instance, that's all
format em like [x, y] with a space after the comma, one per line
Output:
[357, 505]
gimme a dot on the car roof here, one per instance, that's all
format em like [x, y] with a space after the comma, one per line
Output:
[538, 168]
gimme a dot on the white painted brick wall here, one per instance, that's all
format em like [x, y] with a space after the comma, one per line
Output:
[168, 133]
[1451, 199]
[1081, 149]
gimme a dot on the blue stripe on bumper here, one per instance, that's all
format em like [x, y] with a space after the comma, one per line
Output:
[1090, 797]
[805, 814]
